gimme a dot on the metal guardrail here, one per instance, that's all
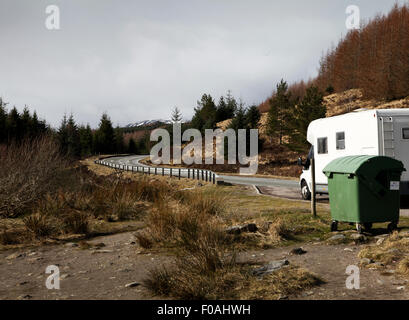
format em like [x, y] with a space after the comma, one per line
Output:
[195, 174]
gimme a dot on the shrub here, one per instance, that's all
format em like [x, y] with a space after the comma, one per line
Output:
[76, 222]
[28, 170]
[40, 225]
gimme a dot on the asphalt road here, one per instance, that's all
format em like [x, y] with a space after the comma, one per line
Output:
[242, 180]
[276, 187]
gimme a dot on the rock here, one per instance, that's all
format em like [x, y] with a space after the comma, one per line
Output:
[250, 227]
[99, 245]
[22, 283]
[366, 261]
[404, 233]
[358, 238]
[270, 267]
[297, 251]
[102, 251]
[380, 241]
[337, 237]
[15, 256]
[71, 244]
[308, 293]
[24, 297]
[233, 230]
[348, 249]
[132, 285]
[400, 288]
[64, 276]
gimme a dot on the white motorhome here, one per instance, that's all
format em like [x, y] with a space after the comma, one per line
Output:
[382, 132]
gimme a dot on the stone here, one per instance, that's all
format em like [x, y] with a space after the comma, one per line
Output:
[15, 256]
[250, 227]
[102, 251]
[366, 261]
[348, 249]
[297, 251]
[24, 297]
[233, 230]
[337, 237]
[71, 244]
[270, 267]
[380, 241]
[132, 285]
[358, 237]
[400, 288]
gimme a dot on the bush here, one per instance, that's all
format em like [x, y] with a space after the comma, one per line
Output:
[28, 170]
[40, 225]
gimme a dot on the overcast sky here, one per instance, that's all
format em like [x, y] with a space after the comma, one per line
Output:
[137, 59]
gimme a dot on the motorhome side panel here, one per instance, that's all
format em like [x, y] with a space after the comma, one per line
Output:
[350, 134]
[394, 139]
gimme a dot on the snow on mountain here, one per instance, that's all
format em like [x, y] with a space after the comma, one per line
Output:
[145, 123]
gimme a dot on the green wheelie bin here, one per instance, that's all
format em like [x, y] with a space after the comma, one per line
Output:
[364, 190]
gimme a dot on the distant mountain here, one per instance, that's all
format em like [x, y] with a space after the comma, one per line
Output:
[148, 123]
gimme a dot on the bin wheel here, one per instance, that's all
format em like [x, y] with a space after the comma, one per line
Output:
[392, 226]
[359, 228]
[305, 191]
[368, 226]
[334, 226]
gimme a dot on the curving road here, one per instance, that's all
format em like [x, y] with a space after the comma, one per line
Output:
[243, 180]
[275, 187]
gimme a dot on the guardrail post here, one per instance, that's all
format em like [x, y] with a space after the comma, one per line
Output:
[202, 175]
[171, 172]
[207, 178]
[156, 171]
[163, 171]
[214, 178]
[188, 173]
[193, 174]
[179, 173]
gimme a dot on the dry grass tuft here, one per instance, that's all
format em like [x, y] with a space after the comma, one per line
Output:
[392, 253]
[28, 171]
[41, 226]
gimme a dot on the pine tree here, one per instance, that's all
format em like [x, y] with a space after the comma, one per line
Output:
[205, 114]
[132, 148]
[119, 140]
[231, 105]
[86, 138]
[104, 139]
[14, 128]
[176, 115]
[280, 113]
[62, 135]
[252, 117]
[310, 108]
[3, 120]
[74, 146]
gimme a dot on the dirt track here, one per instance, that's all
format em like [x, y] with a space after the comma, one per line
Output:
[103, 273]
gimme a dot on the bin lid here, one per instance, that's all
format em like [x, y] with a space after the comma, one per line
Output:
[367, 165]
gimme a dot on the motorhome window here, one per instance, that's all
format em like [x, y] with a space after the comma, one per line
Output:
[405, 133]
[340, 140]
[322, 145]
